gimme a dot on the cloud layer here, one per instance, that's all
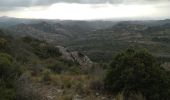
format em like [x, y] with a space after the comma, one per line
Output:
[6, 5]
[85, 9]
[25, 3]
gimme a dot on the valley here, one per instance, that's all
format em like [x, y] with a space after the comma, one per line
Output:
[99, 38]
[81, 60]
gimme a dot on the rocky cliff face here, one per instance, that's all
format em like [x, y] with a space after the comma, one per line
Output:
[75, 56]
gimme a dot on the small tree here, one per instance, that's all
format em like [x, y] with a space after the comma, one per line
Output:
[133, 72]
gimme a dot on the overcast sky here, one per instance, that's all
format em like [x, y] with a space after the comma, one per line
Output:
[86, 9]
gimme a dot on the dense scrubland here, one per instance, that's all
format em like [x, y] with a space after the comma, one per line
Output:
[128, 62]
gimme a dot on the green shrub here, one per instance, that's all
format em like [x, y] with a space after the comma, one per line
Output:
[57, 67]
[3, 43]
[6, 93]
[8, 75]
[69, 62]
[44, 50]
[6, 67]
[138, 72]
[46, 76]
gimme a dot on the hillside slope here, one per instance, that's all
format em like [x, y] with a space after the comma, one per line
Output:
[102, 43]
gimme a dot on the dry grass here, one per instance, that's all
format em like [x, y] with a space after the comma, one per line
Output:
[68, 81]
[77, 87]
[138, 96]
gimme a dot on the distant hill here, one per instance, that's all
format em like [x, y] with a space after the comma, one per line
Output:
[102, 43]
[100, 40]
[97, 24]
[10, 21]
[56, 33]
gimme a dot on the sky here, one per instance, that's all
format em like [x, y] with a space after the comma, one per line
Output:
[86, 9]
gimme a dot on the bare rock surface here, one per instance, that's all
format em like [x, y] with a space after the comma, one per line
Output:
[75, 56]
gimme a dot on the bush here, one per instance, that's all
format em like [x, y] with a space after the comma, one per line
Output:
[57, 67]
[6, 67]
[3, 43]
[138, 72]
[8, 75]
[46, 76]
[6, 93]
[44, 50]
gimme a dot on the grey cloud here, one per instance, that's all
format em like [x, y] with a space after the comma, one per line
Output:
[6, 5]
[16, 3]
[3, 9]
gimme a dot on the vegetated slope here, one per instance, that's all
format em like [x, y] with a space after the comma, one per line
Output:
[50, 72]
[97, 41]
[47, 71]
[29, 55]
[52, 32]
[27, 48]
[100, 44]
